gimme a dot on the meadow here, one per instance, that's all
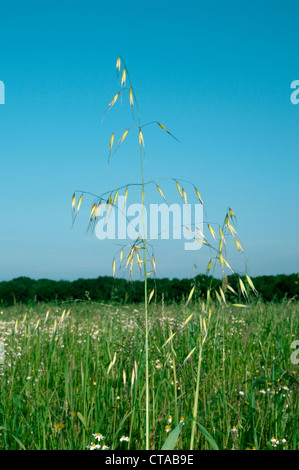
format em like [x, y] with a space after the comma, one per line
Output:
[73, 375]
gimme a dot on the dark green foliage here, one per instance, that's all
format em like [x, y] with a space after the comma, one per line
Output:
[26, 290]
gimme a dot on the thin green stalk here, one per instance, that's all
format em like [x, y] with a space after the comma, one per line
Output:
[195, 406]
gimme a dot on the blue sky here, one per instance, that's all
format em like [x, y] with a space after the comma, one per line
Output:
[217, 75]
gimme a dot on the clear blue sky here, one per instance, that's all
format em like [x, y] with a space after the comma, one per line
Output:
[217, 74]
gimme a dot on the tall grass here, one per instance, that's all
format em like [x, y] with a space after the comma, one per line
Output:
[58, 388]
[142, 245]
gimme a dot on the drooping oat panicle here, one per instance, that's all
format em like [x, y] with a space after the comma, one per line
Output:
[92, 212]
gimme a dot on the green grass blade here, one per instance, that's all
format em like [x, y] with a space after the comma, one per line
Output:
[172, 439]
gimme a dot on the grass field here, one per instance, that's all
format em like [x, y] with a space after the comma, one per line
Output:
[74, 370]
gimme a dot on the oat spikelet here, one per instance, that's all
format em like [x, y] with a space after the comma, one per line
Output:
[222, 234]
[179, 188]
[222, 294]
[121, 256]
[141, 140]
[190, 295]
[198, 195]
[184, 196]
[115, 197]
[113, 267]
[151, 295]
[200, 232]
[212, 232]
[111, 143]
[154, 263]
[123, 77]
[74, 201]
[98, 210]
[123, 137]
[113, 101]
[161, 192]
[231, 289]
[131, 98]
[238, 245]
[232, 214]
[79, 203]
[243, 289]
[231, 229]
[251, 284]
[209, 266]
[126, 196]
[118, 63]
[130, 255]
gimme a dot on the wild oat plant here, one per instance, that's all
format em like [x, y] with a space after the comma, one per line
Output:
[204, 373]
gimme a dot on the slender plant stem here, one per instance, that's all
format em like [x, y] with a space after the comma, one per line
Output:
[195, 406]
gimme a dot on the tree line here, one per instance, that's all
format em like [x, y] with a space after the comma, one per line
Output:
[105, 288]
